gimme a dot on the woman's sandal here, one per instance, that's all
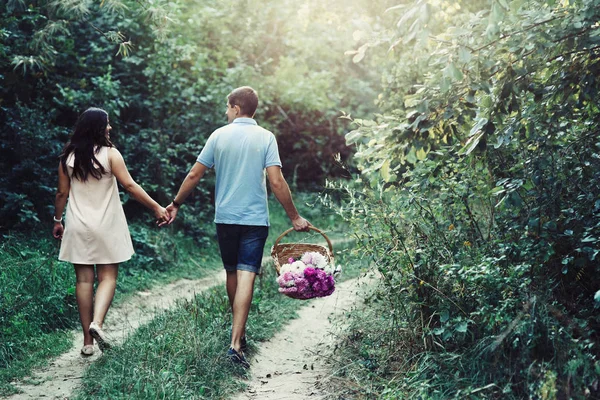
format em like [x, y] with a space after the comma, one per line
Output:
[87, 350]
[100, 337]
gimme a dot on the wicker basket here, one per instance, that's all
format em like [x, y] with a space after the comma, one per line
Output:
[282, 252]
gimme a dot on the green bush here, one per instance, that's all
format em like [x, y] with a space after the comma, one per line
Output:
[478, 202]
[169, 93]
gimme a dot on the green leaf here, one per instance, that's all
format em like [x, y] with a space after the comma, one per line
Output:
[452, 72]
[481, 122]
[411, 156]
[464, 55]
[353, 136]
[462, 327]
[445, 85]
[471, 144]
[385, 171]
[497, 191]
[444, 316]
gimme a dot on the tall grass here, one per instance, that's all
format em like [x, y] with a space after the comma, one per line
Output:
[36, 300]
[37, 292]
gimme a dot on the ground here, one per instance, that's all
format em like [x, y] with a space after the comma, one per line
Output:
[295, 361]
[289, 366]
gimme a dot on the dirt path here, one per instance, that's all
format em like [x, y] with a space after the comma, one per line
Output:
[291, 364]
[60, 379]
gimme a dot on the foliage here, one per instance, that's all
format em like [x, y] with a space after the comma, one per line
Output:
[162, 70]
[478, 199]
[37, 297]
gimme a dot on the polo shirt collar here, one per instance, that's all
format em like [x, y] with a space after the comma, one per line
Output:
[250, 121]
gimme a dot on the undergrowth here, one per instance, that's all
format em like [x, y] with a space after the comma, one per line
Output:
[37, 292]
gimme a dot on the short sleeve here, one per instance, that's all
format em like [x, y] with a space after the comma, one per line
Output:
[207, 155]
[272, 157]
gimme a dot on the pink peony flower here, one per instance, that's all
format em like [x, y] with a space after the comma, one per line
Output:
[306, 279]
[289, 290]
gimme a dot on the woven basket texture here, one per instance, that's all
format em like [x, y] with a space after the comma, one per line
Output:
[282, 252]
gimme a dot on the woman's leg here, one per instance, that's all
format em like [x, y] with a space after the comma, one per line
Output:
[84, 292]
[107, 283]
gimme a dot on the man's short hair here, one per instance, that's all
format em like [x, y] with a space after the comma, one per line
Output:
[245, 98]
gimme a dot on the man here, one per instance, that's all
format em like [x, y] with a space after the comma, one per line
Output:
[240, 153]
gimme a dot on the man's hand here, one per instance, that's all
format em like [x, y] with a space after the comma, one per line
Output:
[301, 225]
[172, 212]
[58, 230]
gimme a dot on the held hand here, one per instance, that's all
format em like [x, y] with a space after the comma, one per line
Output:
[58, 230]
[301, 225]
[172, 213]
[161, 215]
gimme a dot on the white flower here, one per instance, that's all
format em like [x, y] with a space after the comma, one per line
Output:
[316, 259]
[289, 284]
[330, 269]
[297, 266]
[285, 268]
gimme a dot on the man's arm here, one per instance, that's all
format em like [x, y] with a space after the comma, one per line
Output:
[281, 190]
[189, 183]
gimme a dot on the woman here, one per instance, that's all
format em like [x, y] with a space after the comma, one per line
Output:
[96, 232]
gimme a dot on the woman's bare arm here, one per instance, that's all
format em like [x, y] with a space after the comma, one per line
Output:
[119, 170]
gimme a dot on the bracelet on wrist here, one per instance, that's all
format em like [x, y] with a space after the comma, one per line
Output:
[56, 219]
[176, 204]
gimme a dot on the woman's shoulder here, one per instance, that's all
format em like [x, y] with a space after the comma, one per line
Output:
[112, 155]
[112, 151]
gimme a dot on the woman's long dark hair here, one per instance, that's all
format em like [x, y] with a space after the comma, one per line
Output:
[88, 137]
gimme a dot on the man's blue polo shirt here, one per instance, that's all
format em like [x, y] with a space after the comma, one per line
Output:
[240, 152]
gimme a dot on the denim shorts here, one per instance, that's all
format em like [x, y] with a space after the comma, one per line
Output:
[242, 246]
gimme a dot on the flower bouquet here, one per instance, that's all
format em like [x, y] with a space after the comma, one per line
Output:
[305, 270]
[310, 276]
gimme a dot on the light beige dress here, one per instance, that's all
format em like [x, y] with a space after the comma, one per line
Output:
[96, 230]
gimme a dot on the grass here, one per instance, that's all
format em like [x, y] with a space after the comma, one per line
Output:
[37, 292]
[37, 304]
[180, 354]
[42, 347]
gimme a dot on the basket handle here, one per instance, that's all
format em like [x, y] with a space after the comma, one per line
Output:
[310, 227]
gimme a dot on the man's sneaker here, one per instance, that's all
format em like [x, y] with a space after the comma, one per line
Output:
[243, 344]
[237, 358]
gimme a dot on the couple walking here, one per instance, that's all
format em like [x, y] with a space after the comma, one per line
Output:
[96, 232]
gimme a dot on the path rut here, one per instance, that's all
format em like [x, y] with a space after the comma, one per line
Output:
[291, 365]
[62, 376]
